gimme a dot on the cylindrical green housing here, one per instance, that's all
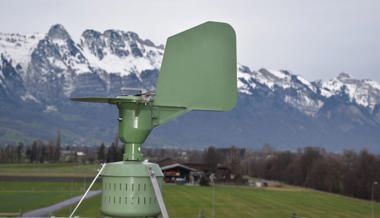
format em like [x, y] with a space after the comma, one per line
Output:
[135, 124]
[135, 121]
[127, 190]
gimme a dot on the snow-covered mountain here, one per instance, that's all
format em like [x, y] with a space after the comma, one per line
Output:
[307, 96]
[120, 52]
[364, 92]
[39, 72]
[19, 48]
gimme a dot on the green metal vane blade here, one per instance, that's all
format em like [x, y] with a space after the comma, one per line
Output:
[92, 99]
[198, 71]
[112, 100]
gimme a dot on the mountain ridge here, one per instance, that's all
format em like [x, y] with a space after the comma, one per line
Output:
[104, 64]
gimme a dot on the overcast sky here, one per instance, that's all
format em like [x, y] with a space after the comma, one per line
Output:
[315, 39]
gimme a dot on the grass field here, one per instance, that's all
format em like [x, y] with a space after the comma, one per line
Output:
[232, 202]
[51, 170]
[181, 201]
[25, 196]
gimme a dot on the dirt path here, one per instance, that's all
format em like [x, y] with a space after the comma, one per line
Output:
[46, 211]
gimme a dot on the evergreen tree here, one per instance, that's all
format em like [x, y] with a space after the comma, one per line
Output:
[102, 153]
[57, 150]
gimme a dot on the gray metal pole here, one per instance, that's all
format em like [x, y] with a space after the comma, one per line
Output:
[373, 198]
[213, 200]
[372, 211]
[157, 190]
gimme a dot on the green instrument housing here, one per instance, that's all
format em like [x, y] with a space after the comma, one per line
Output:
[127, 190]
[137, 117]
[198, 73]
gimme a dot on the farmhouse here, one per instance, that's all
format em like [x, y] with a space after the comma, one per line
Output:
[177, 172]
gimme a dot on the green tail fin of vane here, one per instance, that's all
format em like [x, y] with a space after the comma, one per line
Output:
[199, 69]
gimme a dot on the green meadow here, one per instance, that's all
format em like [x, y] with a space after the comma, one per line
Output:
[24, 196]
[233, 202]
[182, 201]
[49, 170]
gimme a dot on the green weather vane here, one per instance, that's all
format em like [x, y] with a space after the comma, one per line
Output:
[198, 72]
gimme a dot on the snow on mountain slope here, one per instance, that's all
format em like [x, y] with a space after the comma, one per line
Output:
[1, 71]
[115, 52]
[70, 56]
[273, 78]
[55, 57]
[120, 52]
[294, 89]
[99, 56]
[19, 47]
[363, 92]
[245, 79]
[54, 62]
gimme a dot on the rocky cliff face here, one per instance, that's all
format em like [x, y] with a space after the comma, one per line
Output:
[39, 72]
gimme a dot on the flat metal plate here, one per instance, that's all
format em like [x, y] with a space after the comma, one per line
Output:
[199, 69]
[111, 100]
